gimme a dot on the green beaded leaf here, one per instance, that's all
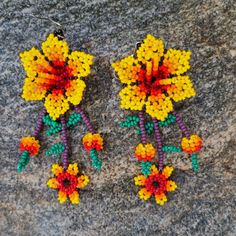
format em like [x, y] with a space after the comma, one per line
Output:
[73, 119]
[55, 149]
[195, 165]
[149, 127]
[129, 122]
[146, 167]
[96, 162]
[170, 119]
[23, 161]
[171, 149]
[54, 126]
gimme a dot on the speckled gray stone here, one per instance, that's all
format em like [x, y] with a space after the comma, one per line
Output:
[204, 204]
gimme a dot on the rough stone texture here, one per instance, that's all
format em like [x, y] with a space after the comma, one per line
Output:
[204, 203]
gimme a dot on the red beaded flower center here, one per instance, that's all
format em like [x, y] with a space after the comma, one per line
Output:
[67, 183]
[156, 184]
[59, 76]
[150, 84]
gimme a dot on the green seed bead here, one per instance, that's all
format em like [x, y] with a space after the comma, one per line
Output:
[195, 165]
[23, 161]
[146, 168]
[130, 121]
[55, 149]
[96, 162]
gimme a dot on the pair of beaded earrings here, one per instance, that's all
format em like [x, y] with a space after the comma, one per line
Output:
[153, 78]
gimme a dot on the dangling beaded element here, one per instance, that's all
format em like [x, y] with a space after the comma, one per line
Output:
[154, 79]
[55, 75]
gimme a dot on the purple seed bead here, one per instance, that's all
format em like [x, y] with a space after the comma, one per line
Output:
[181, 124]
[142, 127]
[65, 142]
[157, 135]
[39, 123]
[85, 119]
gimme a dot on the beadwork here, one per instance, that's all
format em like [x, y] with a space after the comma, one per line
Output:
[55, 75]
[154, 79]
[67, 182]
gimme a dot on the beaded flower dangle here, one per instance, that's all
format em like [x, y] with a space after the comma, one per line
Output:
[153, 79]
[55, 75]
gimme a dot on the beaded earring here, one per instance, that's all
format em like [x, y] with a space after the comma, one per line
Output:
[154, 78]
[55, 75]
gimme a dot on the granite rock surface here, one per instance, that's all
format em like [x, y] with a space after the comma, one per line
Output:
[204, 204]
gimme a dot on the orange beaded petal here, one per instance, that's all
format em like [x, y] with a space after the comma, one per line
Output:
[30, 144]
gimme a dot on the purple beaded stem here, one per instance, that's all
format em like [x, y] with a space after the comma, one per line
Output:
[65, 142]
[181, 124]
[142, 127]
[85, 119]
[39, 123]
[159, 143]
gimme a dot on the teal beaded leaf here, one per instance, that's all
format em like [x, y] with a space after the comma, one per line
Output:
[170, 119]
[129, 122]
[55, 149]
[23, 161]
[194, 162]
[73, 119]
[149, 127]
[96, 162]
[171, 149]
[54, 126]
[146, 167]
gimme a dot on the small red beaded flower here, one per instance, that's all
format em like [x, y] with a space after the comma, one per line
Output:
[55, 75]
[67, 182]
[154, 79]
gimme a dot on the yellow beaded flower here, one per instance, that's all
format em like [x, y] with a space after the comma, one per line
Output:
[156, 183]
[154, 79]
[55, 75]
[67, 182]
[145, 152]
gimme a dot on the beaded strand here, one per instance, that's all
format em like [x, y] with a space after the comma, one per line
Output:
[39, 123]
[65, 142]
[181, 124]
[157, 136]
[85, 119]
[142, 127]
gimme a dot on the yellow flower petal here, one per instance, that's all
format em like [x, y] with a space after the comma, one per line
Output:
[62, 197]
[83, 181]
[56, 104]
[160, 199]
[171, 186]
[167, 171]
[57, 169]
[140, 180]
[159, 106]
[52, 183]
[151, 49]
[55, 49]
[74, 197]
[181, 89]
[144, 194]
[154, 170]
[177, 61]
[127, 69]
[33, 62]
[80, 63]
[74, 91]
[132, 98]
[73, 169]
[32, 91]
